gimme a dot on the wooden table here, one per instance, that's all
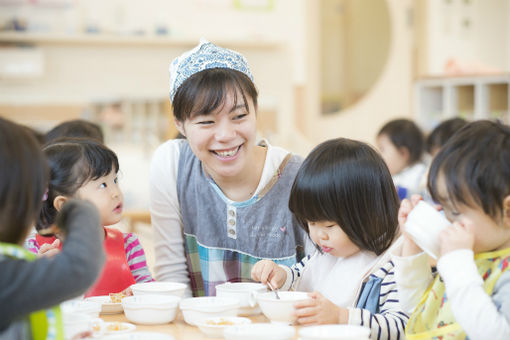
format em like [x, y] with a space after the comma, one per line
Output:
[179, 329]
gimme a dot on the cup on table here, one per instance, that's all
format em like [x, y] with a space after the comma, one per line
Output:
[424, 223]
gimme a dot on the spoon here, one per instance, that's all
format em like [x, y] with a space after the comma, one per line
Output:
[274, 290]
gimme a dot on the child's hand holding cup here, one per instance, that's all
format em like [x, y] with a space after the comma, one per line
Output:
[423, 225]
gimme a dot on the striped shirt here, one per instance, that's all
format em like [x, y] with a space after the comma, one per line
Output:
[135, 255]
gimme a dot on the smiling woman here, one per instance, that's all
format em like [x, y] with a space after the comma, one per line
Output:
[210, 191]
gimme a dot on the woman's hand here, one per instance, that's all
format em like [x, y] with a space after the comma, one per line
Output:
[49, 250]
[266, 270]
[457, 236]
[319, 310]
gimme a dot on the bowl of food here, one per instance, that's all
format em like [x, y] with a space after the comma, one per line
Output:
[159, 288]
[280, 310]
[246, 292]
[107, 305]
[334, 332]
[150, 309]
[257, 331]
[197, 309]
[213, 327]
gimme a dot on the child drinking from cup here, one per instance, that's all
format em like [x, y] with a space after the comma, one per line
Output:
[30, 287]
[345, 199]
[471, 295]
[87, 169]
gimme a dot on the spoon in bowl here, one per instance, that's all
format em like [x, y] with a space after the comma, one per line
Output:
[275, 291]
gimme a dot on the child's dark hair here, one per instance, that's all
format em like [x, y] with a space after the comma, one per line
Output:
[404, 133]
[23, 180]
[78, 128]
[443, 132]
[347, 182]
[205, 91]
[73, 162]
[473, 175]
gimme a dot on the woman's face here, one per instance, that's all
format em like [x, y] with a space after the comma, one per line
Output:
[224, 140]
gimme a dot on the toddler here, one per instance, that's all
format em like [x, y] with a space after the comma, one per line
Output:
[344, 197]
[30, 288]
[401, 144]
[441, 133]
[88, 170]
[471, 295]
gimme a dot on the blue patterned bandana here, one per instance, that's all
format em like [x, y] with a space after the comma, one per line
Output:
[205, 56]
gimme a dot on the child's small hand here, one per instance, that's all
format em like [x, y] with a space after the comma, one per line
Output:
[267, 270]
[319, 310]
[49, 250]
[456, 236]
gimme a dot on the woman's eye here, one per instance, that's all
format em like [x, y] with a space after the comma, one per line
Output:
[205, 122]
[241, 116]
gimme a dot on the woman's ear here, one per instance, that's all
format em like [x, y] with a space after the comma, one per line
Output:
[180, 126]
[59, 201]
[506, 211]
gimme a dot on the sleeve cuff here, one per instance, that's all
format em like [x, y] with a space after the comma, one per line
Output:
[408, 269]
[290, 278]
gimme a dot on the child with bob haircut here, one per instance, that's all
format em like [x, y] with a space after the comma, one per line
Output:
[87, 169]
[30, 288]
[402, 144]
[345, 199]
[470, 298]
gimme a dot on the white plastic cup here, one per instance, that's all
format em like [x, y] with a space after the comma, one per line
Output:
[424, 223]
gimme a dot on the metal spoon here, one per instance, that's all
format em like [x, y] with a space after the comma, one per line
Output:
[274, 290]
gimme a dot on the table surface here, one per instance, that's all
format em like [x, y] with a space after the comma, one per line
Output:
[179, 329]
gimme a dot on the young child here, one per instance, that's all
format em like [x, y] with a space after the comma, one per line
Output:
[471, 295]
[441, 133]
[401, 144]
[30, 287]
[345, 198]
[87, 169]
[78, 128]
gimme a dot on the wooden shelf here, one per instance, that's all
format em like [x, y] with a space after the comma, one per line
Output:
[129, 40]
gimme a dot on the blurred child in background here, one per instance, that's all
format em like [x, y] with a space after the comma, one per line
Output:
[78, 128]
[441, 133]
[344, 197]
[470, 296]
[30, 287]
[87, 169]
[402, 144]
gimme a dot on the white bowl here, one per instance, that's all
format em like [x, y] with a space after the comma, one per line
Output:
[424, 223]
[258, 331]
[150, 309]
[159, 288]
[246, 292]
[196, 309]
[107, 306]
[81, 306]
[213, 327]
[334, 332]
[281, 310]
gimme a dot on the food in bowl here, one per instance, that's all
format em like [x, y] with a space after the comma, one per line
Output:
[334, 332]
[257, 331]
[117, 297]
[280, 310]
[214, 327]
[159, 288]
[150, 309]
[197, 309]
[246, 292]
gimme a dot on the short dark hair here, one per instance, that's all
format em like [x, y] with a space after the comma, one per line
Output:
[205, 91]
[23, 180]
[75, 128]
[472, 174]
[73, 162]
[443, 132]
[405, 133]
[347, 181]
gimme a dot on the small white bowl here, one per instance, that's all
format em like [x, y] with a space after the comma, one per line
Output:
[150, 309]
[280, 310]
[246, 292]
[196, 309]
[334, 332]
[107, 306]
[213, 327]
[159, 288]
[81, 306]
[258, 331]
